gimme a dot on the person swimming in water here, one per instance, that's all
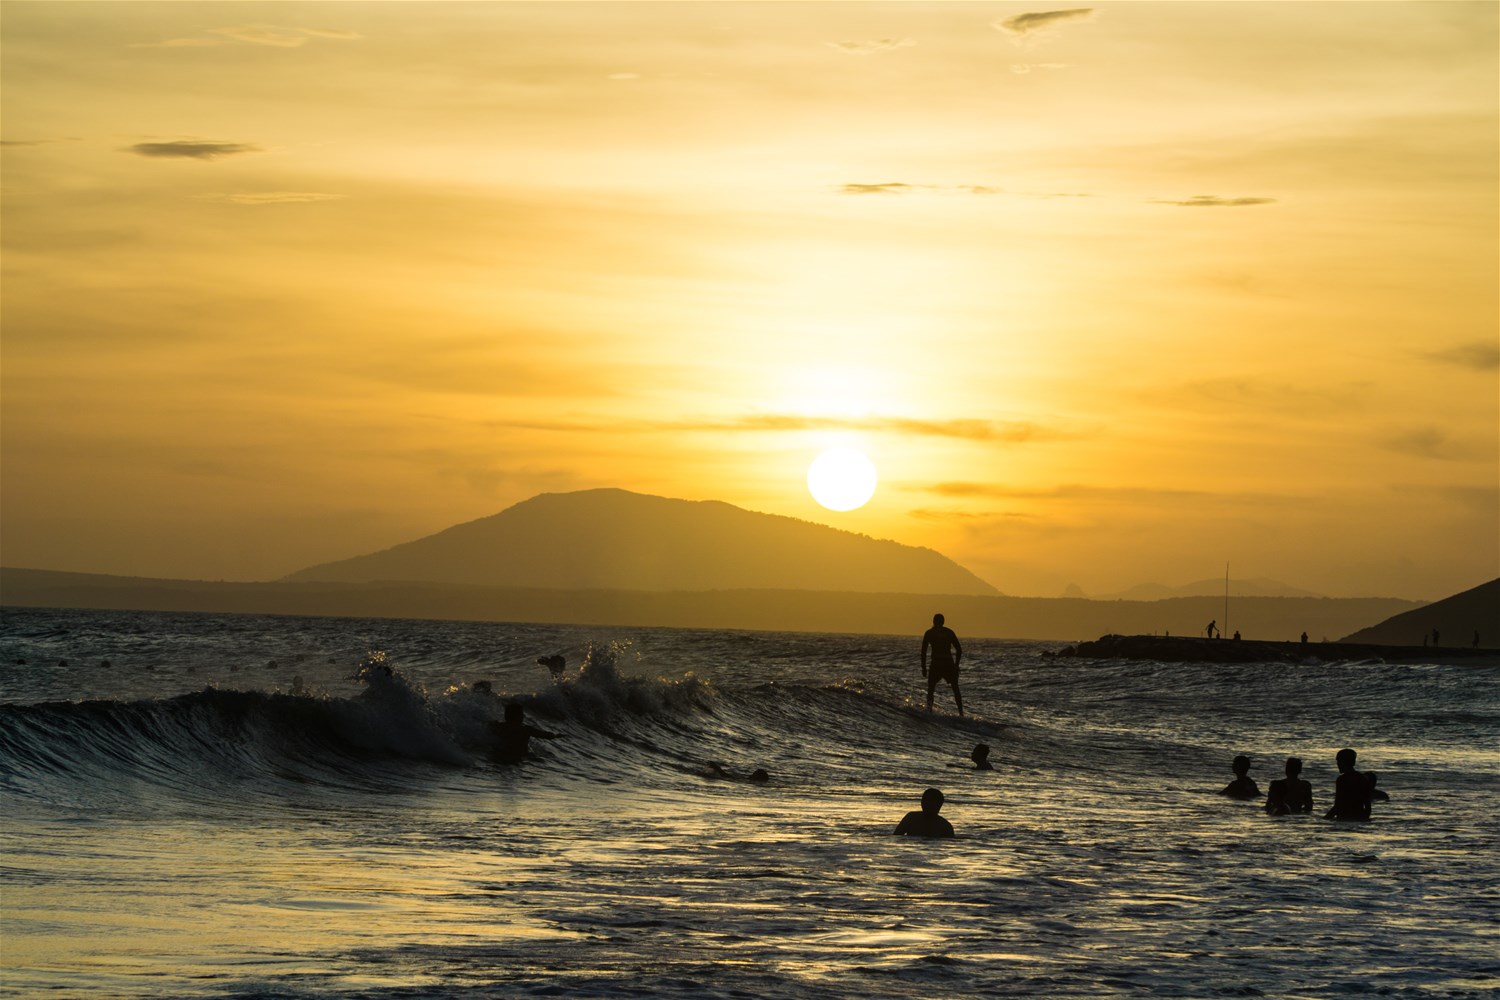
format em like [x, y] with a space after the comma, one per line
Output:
[926, 822]
[554, 663]
[759, 776]
[946, 654]
[1243, 786]
[514, 735]
[1351, 791]
[1290, 794]
[981, 757]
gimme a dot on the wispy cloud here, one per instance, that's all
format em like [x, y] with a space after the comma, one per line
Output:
[1265, 395]
[331, 33]
[1021, 69]
[252, 34]
[179, 43]
[1479, 355]
[870, 47]
[894, 187]
[270, 197]
[1022, 27]
[996, 431]
[1082, 493]
[1014, 432]
[898, 187]
[191, 149]
[1213, 201]
[1425, 442]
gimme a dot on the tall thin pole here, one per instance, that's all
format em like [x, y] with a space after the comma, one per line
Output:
[1226, 599]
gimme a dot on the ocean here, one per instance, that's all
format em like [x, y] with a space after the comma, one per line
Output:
[239, 806]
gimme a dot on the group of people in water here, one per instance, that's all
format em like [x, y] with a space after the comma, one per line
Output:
[1353, 790]
[1352, 793]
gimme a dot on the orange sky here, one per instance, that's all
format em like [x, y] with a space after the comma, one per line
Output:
[1109, 294]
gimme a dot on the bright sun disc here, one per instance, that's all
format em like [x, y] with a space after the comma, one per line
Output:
[841, 479]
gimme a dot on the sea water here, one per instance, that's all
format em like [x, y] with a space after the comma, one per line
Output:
[230, 806]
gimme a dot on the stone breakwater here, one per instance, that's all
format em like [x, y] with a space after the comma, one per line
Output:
[1176, 649]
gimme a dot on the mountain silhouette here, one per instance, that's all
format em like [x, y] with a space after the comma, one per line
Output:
[616, 539]
[1458, 619]
[1256, 587]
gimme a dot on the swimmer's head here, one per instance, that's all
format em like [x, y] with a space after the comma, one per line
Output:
[932, 801]
[1345, 759]
[1241, 764]
[514, 713]
[981, 753]
[759, 774]
[937, 619]
[1293, 766]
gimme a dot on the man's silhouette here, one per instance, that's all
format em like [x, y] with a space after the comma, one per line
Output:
[1351, 790]
[1243, 786]
[927, 822]
[1290, 794]
[513, 736]
[946, 654]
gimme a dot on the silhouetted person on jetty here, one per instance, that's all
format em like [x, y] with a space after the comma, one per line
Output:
[1476, 640]
[1243, 786]
[1212, 627]
[514, 735]
[1435, 637]
[1351, 790]
[946, 654]
[1290, 794]
[927, 822]
[1304, 638]
[554, 663]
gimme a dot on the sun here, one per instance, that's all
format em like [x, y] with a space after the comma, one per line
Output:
[841, 479]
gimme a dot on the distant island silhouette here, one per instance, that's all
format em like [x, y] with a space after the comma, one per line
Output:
[618, 540]
[1213, 587]
[611, 557]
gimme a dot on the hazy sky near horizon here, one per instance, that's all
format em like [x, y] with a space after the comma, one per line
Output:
[1109, 293]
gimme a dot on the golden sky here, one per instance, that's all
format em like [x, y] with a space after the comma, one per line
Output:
[1109, 294]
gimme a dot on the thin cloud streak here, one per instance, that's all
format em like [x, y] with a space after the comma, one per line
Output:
[271, 197]
[1105, 494]
[252, 34]
[191, 149]
[872, 47]
[1213, 201]
[900, 187]
[993, 431]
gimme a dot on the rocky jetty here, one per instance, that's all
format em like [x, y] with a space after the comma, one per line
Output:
[1177, 649]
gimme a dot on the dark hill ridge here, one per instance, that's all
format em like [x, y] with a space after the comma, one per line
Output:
[1458, 619]
[615, 539]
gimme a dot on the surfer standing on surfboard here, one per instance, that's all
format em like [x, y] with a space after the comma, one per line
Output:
[946, 654]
